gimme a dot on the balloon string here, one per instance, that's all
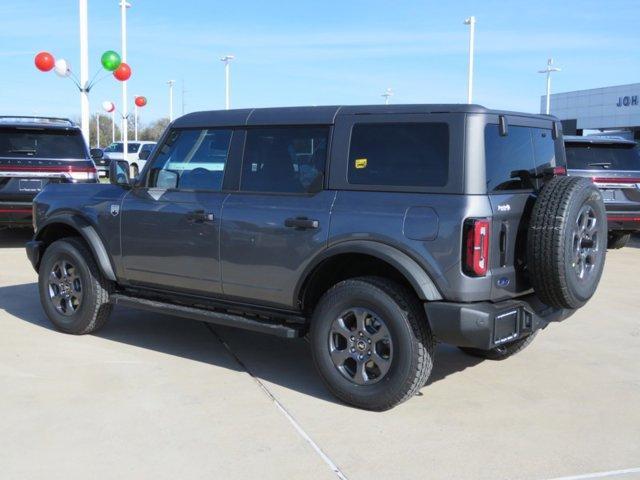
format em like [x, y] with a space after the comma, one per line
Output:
[99, 80]
[91, 82]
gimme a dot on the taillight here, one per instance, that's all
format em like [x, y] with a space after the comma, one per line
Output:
[83, 174]
[559, 171]
[616, 182]
[476, 242]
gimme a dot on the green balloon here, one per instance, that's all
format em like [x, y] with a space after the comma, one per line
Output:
[110, 60]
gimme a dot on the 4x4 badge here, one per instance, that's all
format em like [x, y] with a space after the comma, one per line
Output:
[115, 210]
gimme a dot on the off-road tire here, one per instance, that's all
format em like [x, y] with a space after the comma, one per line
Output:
[551, 251]
[618, 240]
[410, 334]
[503, 351]
[95, 308]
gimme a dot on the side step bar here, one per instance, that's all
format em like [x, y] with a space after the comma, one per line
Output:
[217, 318]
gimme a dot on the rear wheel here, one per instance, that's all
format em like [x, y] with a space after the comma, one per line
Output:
[617, 240]
[503, 351]
[371, 342]
[73, 292]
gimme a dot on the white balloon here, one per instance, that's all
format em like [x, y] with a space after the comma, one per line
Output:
[108, 106]
[62, 68]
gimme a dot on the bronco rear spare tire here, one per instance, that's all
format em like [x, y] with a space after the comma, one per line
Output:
[567, 242]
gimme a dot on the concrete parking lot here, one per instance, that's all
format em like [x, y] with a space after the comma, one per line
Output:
[153, 396]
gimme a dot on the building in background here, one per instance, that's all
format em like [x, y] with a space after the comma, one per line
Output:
[614, 110]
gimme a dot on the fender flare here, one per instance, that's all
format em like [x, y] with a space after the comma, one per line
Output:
[89, 234]
[419, 279]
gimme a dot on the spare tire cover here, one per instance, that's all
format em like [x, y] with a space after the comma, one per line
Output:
[567, 242]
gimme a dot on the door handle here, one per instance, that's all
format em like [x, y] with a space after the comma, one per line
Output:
[200, 216]
[301, 223]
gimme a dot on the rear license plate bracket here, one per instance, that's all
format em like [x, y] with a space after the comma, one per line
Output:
[28, 185]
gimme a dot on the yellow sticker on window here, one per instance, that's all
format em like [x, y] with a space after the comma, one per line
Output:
[361, 163]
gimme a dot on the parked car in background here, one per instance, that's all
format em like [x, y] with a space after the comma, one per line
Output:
[36, 152]
[613, 163]
[138, 152]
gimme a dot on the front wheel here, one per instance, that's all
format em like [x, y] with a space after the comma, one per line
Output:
[371, 343]
[617, 240]
[73, 292]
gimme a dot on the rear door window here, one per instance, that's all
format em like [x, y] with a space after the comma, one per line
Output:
[585, 156]
[284, 159]
[193, 159]
[402, 154]
[36, 143]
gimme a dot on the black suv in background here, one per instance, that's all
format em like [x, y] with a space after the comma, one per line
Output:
[376, 230]
[613, 163]
[35, 152]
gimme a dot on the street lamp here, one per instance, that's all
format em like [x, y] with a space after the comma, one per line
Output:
[171, 83]
[471, 21]
[226, 59]
[550, 68]
[125, 116]
[388, 93]
[84, 69]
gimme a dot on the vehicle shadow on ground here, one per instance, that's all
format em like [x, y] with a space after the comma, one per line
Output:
[14, 237]
[635, 241]
[274, 360]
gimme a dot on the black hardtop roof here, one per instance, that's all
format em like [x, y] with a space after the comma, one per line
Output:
[323, 115]
[598, 140]
[37, 122]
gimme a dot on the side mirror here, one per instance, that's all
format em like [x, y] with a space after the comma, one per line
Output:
[119, 173]
[96, 153]
[144, 154]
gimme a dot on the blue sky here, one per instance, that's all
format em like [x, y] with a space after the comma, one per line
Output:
[319, 52]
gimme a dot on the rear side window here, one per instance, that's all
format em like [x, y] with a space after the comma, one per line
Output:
[514, 161]
[403, 154]
[191, 160]
[32, 143]
[583, 156]
[284, 159]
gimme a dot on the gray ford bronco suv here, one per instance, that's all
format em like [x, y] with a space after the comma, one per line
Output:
[375, 230]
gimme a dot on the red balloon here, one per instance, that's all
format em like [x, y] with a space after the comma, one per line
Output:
[123, 72]
[44, 61]
[141, 101]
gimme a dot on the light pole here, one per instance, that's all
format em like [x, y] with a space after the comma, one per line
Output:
[226, 59]
[171, 83]
[471, 21]
[125, 116]
[550, 68]
[84, 69]
[98, 130]
[388, 93]
[135, 119]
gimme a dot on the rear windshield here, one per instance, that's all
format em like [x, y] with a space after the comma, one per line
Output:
[515, 161]
[36, 143]
[582, 156]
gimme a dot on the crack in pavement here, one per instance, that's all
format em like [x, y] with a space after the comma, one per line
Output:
[334, 468]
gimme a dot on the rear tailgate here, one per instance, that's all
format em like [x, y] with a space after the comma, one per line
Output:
[621, 192]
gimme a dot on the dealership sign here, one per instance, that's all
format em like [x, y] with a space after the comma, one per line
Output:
[627, 101]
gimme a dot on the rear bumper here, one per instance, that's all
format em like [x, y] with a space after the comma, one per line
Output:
[15, 213]
[486, 325]
[629, 221]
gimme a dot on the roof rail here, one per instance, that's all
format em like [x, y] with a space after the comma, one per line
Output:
[28, 119]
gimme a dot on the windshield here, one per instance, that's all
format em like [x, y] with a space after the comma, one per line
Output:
[117, 147]
[585, 156]
[41, 143]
